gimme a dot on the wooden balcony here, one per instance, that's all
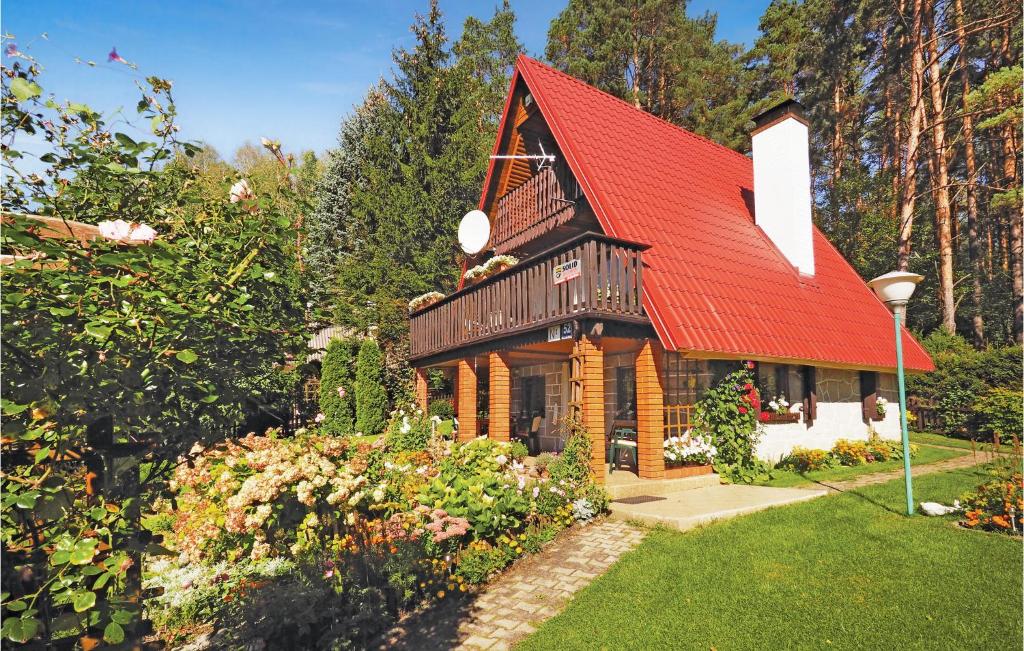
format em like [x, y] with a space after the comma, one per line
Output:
[548, 200]
[603, 280]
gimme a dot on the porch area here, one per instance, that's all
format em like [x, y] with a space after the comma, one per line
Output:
[610, 375]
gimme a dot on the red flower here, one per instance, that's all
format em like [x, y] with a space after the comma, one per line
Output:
[748, 386]
[743, 410]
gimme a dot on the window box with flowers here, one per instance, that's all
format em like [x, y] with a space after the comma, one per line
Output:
[777, 411]
[495, 265]
[688, 455]
[425, 300]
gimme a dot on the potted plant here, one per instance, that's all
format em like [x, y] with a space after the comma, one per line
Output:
[777, 411]
[424, 300]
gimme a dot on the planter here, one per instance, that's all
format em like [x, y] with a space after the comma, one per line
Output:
[779, 419]
[678, 472]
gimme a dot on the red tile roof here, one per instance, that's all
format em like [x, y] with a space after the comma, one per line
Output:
[714, 282]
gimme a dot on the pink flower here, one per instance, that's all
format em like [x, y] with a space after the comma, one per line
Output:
[319, 418]
[341, 392]
[117, 230]
[114, 57]
[12, 50]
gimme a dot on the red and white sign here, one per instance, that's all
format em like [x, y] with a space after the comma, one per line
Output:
[565, 271]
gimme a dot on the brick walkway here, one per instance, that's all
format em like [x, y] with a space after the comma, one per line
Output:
[534, 589]
[879, 477]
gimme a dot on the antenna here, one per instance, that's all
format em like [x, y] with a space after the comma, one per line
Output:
[474, 232]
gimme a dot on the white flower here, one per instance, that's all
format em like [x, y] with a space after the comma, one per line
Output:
[241, 191]
[142, 233]
[116, 230]
[501, 459]
[319, 418]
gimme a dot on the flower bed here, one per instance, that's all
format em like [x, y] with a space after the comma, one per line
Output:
[998, 504]
[321, 541]
[844, 453]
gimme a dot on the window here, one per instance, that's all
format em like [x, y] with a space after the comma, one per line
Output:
[533, 396]
[625, 392]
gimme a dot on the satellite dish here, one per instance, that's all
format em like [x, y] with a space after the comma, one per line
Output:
[474, 232]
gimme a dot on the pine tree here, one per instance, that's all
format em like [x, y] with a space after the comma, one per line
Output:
[337, 387]
[371, 398]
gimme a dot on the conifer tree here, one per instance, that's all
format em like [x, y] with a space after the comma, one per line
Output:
[337, 387]
[371, 398]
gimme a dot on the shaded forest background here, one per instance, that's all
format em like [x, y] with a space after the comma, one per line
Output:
[916, 133]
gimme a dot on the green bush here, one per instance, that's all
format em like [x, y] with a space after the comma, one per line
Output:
[479, 561]
[728, 414]
[408, 431]
[441, 408]
[573, 465]
[999, 413]
[371, 398]
[336, 387]
[962, 376]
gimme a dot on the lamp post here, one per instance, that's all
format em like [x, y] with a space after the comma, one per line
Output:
[895, 289]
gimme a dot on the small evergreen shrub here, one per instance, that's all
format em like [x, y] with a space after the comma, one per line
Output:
[337, 395]
[573, 465]
[371, 398]
[999, 414]
[441, 408]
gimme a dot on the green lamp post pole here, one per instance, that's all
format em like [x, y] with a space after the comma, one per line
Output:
[895, 289]
[903, 413]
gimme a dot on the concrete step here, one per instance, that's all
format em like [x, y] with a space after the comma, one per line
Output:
[687, 509]
[624, 484]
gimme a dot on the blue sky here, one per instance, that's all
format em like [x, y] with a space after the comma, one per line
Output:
[241, 70]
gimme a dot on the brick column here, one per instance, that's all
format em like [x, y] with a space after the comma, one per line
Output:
[421, 388]
[501, 398]
[468, 428]
[650, 414]
[593, 402]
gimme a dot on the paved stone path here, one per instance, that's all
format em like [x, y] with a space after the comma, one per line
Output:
[531, 591]
[879, 477]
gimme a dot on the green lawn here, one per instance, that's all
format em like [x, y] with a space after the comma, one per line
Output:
[938, 439]
[924, 456]
[840, 572]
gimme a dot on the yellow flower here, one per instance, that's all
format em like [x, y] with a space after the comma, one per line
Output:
[440, 594]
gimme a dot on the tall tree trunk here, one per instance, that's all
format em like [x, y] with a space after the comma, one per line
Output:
[838, 123]
[971, 168]
[1012, 232]
[940, 180]
[908, 197]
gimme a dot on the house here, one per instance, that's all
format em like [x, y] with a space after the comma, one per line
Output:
[652, 262]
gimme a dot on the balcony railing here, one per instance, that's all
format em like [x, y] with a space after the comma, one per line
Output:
[548, 200]
[589, 276]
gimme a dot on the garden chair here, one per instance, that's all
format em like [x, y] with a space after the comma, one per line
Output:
[533, 437]
[623, 439]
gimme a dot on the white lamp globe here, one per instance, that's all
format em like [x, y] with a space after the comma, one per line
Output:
[896, 287]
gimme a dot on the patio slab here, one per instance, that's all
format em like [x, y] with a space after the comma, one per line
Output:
[687, 509]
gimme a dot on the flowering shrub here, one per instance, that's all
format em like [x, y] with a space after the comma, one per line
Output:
[996, 505]
[728, 414]
[845, 453]
[807, 460]
[361, 530]
[690, 448]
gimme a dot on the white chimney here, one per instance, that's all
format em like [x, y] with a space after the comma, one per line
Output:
[782, 182]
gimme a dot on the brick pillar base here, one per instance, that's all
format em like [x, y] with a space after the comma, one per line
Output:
[650, 413]
[592, 375]
[468, 427]
[421, 389]
[500, 407]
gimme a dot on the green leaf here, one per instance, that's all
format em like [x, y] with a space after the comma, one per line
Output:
[42, 454]
[97, 330]
[77, 107]
[60, 557]
[122, 617]
[16, 606]
[83, 601]
[101, 581]
[125, 140]
[11, 408]
[24, 89]
[188, 356]
[113, 633]
[83, 552]
[20, 630]
[27, 500]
